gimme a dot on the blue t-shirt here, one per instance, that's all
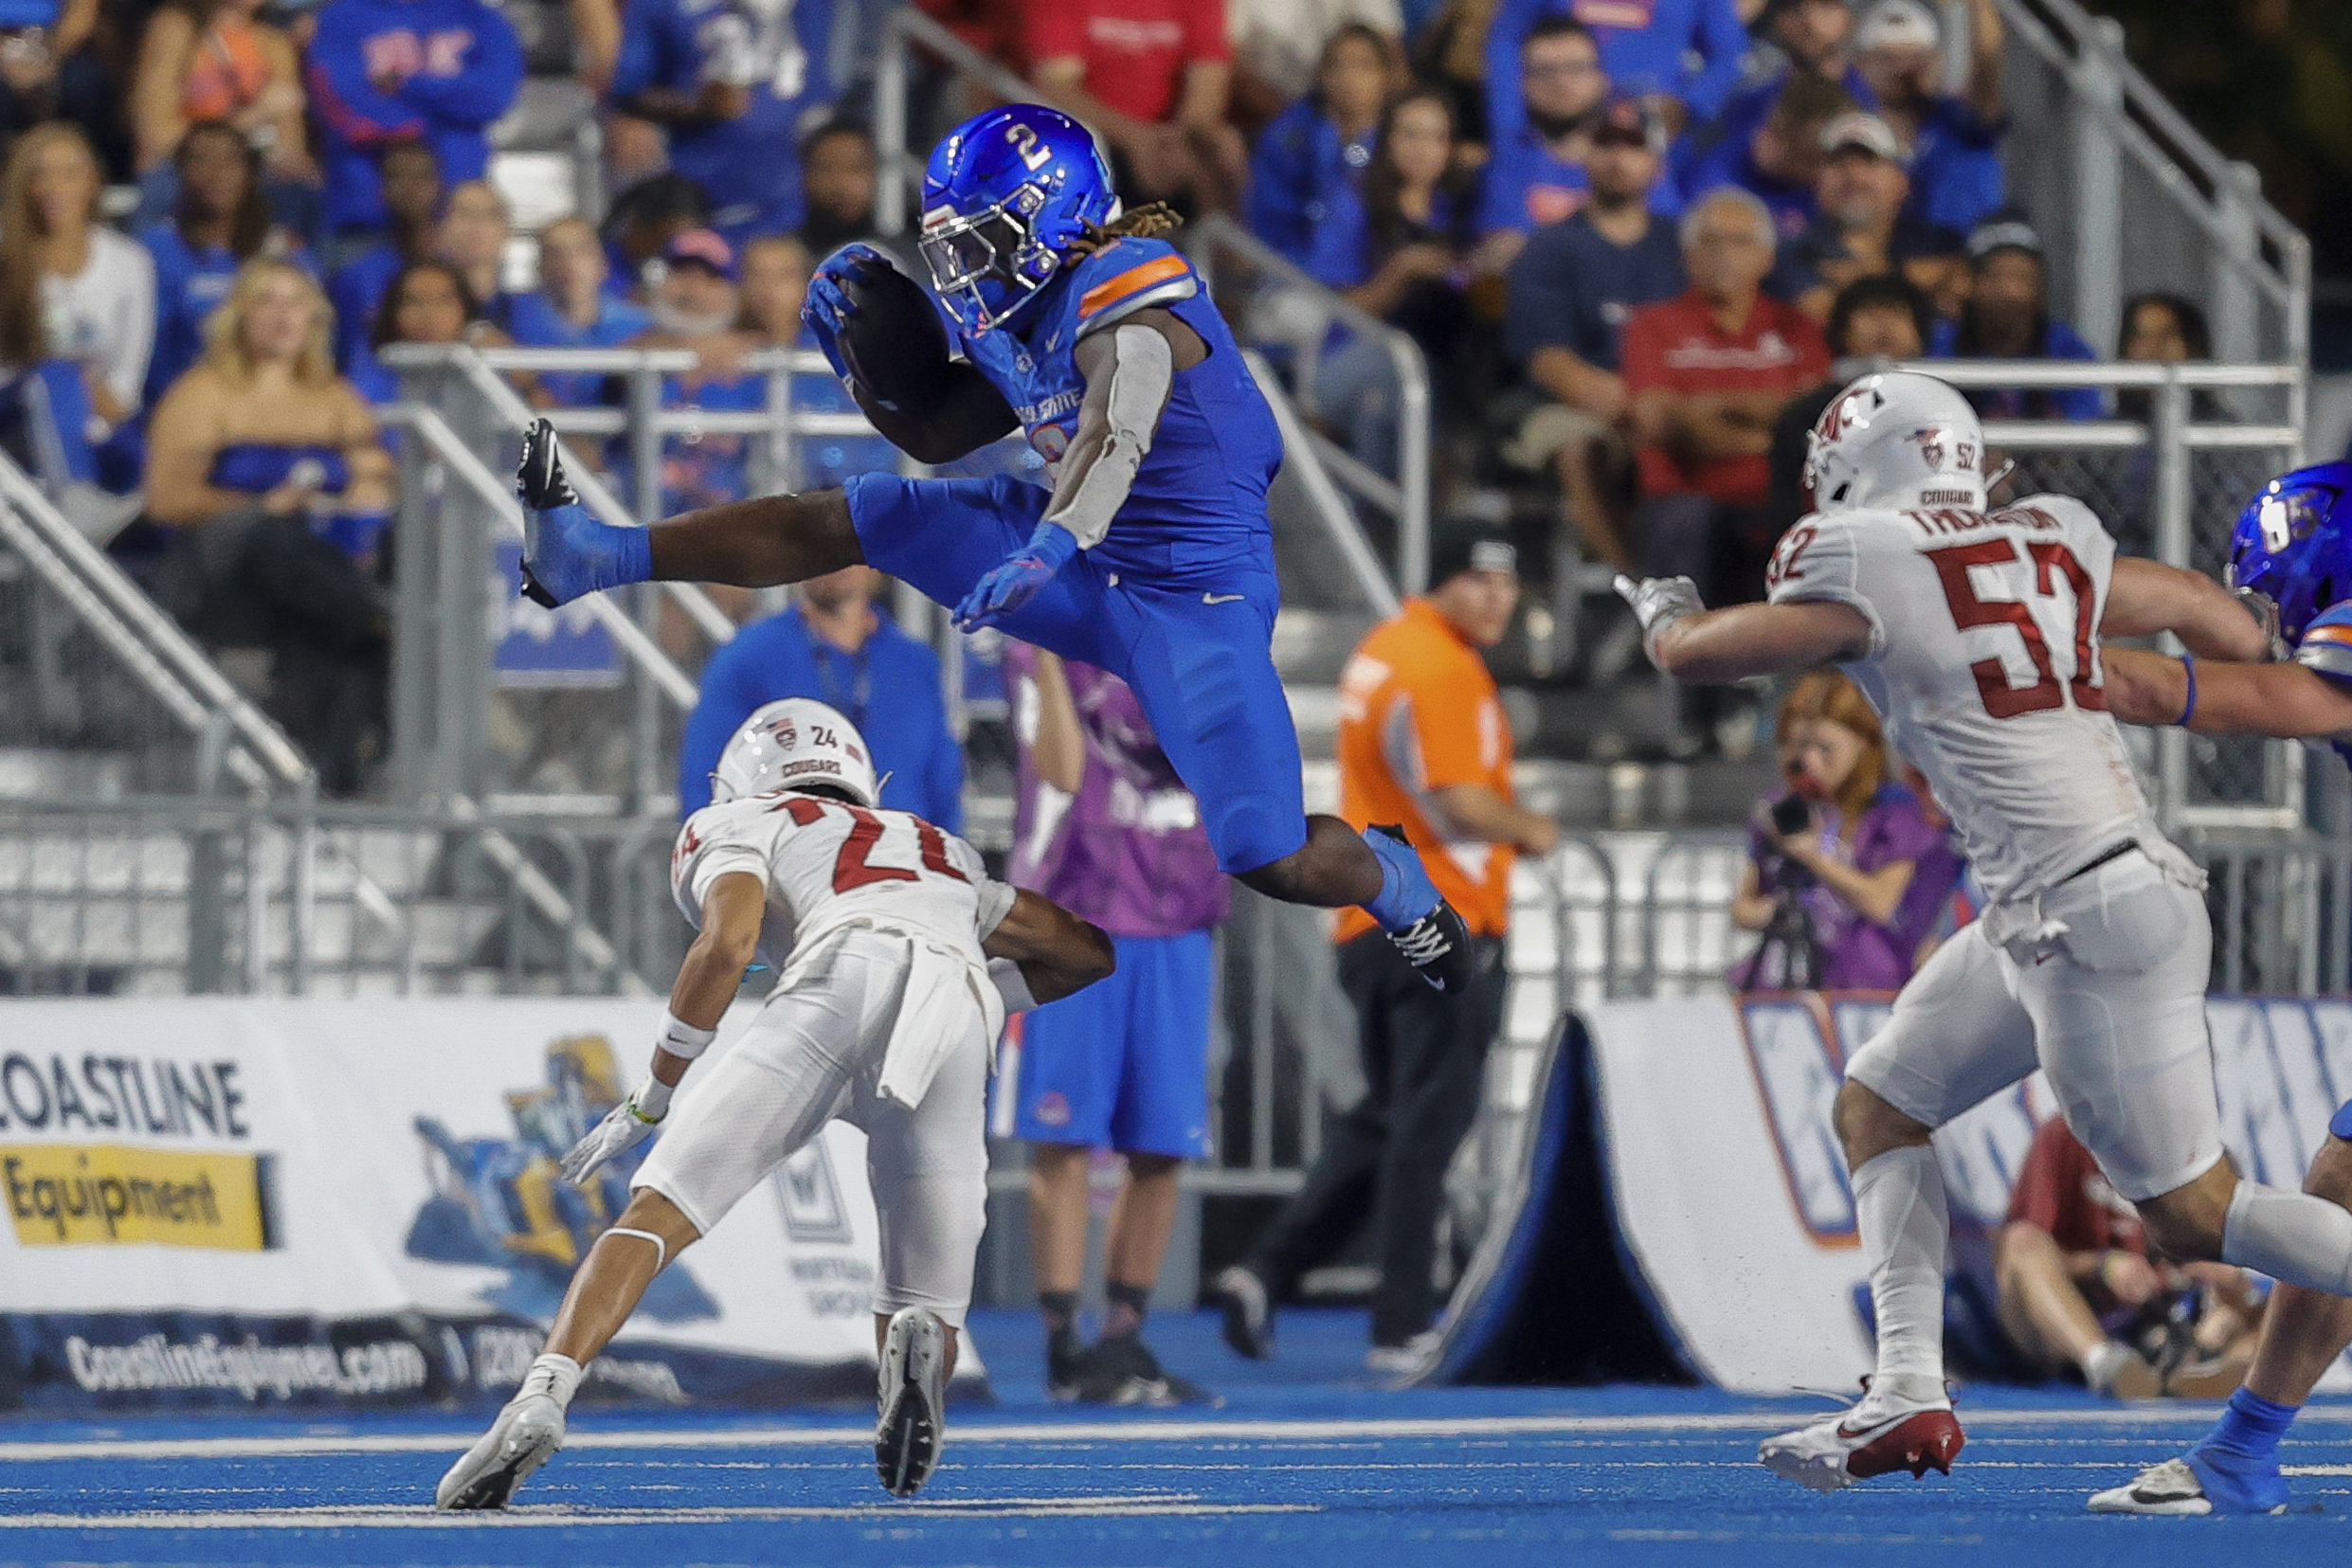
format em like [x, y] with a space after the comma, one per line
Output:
[889, 689]
[189, 284]
[1956, 175]
[1198, 507]
[1527, 186]
[355, 291]
[749, 166]
[461, 65]
[1344, 256]
[1689, 49]
[1301, 159]
[1572, 288]
[535, 323]
[1733, 163]
[2059, 342]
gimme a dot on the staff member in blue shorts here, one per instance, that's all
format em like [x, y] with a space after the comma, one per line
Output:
[1104, 819]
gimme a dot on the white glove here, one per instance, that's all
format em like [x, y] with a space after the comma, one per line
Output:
[623, 1128]
[1658, 602]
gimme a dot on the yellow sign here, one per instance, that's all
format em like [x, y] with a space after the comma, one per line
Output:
[62, 1195]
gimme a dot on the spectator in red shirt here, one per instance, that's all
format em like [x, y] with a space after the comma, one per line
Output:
[2074, 1271]
[1152, 77]
[1707, 372]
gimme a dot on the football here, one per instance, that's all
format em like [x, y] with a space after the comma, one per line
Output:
[893, 343]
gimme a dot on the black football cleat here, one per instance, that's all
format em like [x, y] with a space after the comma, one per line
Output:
[540, 477]
[1438, 945]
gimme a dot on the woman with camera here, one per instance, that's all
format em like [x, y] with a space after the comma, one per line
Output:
[1839, 861]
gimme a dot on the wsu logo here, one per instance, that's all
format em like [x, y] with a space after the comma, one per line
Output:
[1843, 415]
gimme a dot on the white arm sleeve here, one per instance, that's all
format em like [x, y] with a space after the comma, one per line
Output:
[1142, 373]
[996, 902]
[1011, 984]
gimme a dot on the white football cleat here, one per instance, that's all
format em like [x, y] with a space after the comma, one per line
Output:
[2168, 1488]
[1882, 1434]
[914, 1398]
[526, 1435]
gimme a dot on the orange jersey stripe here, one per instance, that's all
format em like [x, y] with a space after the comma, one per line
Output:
[2328, 634]
[1133, 280]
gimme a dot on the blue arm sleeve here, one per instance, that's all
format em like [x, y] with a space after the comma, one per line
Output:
[1721, 43]
[485, 87]
[1506, 110]
[722, 705]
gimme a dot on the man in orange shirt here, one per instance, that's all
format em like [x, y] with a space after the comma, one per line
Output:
[1423, 744]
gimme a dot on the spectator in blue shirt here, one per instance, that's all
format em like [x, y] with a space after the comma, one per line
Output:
[1778, 163]
[838, 180]
[223, 222]
[1794, 39]
[1322, 140]
[1396, 250]
[1955, 141]
[410, 177]
[732, 81]
[1535, 175]
[382, 71]
[832, 645]
[698, 307]
[1570, 292]
[1682, 55]
[573, 310]
[1864, 228]
[775, 283]
[2008, 317]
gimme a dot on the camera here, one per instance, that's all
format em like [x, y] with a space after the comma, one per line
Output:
[1790, 814]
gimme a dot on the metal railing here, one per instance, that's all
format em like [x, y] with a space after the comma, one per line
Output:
[231, 732]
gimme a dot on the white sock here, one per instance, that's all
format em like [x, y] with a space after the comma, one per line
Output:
[553, 1376]
[2291, 1236]
[1899, 1208]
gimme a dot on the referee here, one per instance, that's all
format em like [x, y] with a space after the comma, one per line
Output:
[1422, 743]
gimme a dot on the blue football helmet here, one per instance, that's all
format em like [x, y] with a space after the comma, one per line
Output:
[2293, 545]
[1003, 197]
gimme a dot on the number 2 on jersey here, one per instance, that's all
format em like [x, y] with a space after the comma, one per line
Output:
[850, 869]
[2051, 561]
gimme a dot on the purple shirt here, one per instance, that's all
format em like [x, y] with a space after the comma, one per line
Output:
[1127, 852]
[1859, 954]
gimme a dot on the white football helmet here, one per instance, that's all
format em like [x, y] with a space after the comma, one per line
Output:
[1896, 439]
[791, 744]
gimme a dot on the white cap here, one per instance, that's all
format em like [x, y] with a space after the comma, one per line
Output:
[1867, 132]
[1899, 24]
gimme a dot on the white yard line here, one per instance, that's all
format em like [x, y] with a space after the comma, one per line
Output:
[395, 1517]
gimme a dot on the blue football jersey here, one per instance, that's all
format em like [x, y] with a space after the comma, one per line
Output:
[1197, 506]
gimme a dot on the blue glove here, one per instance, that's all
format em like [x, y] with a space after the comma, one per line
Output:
[828, 308]
[1016, 581]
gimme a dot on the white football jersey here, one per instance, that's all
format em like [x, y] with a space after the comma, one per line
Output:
[1985, 662]
[824, 861]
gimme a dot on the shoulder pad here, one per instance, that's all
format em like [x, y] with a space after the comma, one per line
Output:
[2327, 645]
[1128, 276]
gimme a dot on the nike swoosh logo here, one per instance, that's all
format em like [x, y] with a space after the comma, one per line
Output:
[1223, 598]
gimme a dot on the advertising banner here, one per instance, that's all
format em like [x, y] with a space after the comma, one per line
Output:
[352, 1203]
[1730, 1189]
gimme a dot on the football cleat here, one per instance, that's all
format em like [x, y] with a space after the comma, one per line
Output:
[526, 1435]
[540, 477]
[1438, 944]
[2204, 1481]
[914, 1400]
[1241, 1295]
[1882, 1434]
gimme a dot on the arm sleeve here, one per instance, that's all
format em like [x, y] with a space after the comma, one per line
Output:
[1820, 561]
[347, 102]
[720, 861]
[1721, 43]
[485, 87]
[721, 706]
[126, 368]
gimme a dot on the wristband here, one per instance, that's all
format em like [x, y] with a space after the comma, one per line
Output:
[652, 1100]
[683, 1039]
[2188, 667]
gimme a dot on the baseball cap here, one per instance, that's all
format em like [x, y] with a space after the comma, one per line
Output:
[2003, 234]
[1871, 134]
[1898, 25]
[704, 247]
[1626, 119]
[1458, 547]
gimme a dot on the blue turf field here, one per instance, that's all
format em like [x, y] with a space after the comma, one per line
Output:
[1307, 1463]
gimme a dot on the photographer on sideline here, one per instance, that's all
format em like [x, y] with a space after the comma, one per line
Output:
[1835, 859]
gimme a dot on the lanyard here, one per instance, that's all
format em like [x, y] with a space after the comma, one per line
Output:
[852, 704]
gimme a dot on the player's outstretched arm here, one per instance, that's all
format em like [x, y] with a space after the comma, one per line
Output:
[1057, 953]
[1715, 647]
[1129, 371]
[2283, 701]
[2145, 597]
[707, 981]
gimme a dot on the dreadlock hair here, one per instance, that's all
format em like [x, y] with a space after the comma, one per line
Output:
[1148, 222]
